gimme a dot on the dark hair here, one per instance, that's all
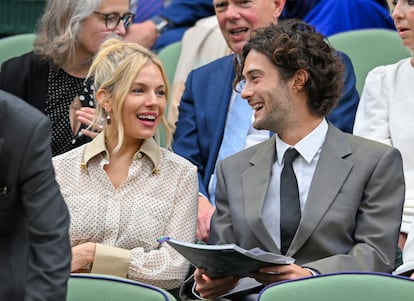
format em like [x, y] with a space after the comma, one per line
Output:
[383, 3]
[294, 45]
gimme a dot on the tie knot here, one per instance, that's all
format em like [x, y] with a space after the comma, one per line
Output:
[290, 155]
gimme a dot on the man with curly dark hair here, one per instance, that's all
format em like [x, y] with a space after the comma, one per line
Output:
[344, 193]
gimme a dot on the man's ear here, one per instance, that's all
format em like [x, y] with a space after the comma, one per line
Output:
[300, 78]
[278, 8]
[102, 97]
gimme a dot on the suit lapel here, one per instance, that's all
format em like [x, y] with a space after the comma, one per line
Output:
[3, 129]
[330, 174]
[1, 148]
[255, 181]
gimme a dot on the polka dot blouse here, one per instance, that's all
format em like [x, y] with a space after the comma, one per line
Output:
[66, 92]
[158, 198]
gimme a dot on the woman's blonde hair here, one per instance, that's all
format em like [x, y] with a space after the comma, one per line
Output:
[114, 69]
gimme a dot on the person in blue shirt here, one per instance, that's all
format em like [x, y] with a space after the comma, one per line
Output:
[330, 17]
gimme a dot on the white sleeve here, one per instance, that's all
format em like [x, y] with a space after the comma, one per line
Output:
[372, 117]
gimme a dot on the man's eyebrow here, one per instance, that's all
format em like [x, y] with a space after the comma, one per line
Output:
[249, 72]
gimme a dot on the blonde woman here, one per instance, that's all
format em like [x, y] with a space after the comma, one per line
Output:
[122, 189]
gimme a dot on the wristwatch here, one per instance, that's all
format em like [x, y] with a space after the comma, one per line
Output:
[161, 24]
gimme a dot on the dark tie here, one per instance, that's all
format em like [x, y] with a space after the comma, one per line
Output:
[147, 9]
[289, 201]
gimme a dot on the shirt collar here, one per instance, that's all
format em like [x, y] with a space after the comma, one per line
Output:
[97, 146]
[308, 146]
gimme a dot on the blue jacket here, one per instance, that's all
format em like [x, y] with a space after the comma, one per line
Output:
[203, 111]
[334, 16]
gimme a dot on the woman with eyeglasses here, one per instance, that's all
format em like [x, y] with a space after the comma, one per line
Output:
[52, 76]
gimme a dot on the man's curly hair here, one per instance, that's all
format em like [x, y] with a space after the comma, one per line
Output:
[294, 45]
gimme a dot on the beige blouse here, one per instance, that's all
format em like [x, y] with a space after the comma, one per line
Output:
[159, 198]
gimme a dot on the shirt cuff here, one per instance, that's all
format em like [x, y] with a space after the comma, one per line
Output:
[111, 261]
[312, 271]
[204, 196]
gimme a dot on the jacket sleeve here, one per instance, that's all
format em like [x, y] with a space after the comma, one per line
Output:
[186, 135]
[377, 220]
[187, 12]
[343, 115]
[47, 218]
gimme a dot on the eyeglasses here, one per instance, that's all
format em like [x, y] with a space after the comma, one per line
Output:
[112, 20]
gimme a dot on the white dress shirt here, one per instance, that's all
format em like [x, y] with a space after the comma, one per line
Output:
[309, 149]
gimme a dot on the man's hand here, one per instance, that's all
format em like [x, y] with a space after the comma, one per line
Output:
[82, 255]
[212, 288]
[278, 273]
[144, 34]
[205, 212]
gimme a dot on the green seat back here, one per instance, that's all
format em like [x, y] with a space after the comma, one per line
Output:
[169, 57]
[342, 287]
[19, 16]
[94, 287]
[369, 48]
[15, 45]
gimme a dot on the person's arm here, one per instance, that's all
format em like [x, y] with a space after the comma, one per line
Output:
[186, 145]
[205, 212]
[47, 219]
[179, 14]
[186, 136]
[187, 12]
[14, 76]
[26, 76]
[407, 268]
[372, 117]
[297, 9]
[343, 115]
[377, 220]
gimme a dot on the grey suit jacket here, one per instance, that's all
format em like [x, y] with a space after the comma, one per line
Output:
[352, 216]
[35, 251]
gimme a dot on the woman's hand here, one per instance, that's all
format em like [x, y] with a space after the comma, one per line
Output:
[205, 212]
[85, 115]
[82, 256]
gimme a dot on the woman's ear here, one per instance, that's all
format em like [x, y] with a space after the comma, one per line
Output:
[102, 97]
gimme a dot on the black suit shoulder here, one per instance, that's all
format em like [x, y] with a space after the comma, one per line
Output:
[26, 77]
[18, 115]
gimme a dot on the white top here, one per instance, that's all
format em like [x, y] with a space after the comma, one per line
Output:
[408, 255]
[159, 198]
[386, 114]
